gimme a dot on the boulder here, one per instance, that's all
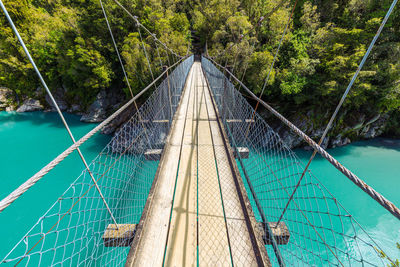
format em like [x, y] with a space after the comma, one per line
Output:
[58, 95]
[375, 126]
[75, 108]
[97, 110]
[30, 105]
[340, 141]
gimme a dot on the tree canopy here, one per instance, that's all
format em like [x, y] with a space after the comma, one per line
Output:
[322, 48]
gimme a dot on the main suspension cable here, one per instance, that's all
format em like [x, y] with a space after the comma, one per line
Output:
[57, 108]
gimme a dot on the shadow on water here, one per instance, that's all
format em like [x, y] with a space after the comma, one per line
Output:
[50, 119]
[98, 141]
[380, 143]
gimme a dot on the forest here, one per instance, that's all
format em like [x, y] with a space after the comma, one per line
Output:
[320, 52]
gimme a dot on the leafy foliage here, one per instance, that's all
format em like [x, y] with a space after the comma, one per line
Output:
[71, 44]
[320, 52]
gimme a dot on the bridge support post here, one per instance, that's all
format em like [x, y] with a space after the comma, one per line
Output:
[169, 97]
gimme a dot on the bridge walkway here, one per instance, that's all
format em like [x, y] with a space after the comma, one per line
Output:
[197, 212]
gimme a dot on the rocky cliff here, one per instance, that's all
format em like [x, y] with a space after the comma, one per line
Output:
[358, 127]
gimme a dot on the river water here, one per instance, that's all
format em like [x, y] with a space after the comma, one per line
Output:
[28, 142]
[31, 140]
[377, 162]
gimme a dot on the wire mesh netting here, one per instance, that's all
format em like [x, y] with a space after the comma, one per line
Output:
[70, 232]
[321, 231]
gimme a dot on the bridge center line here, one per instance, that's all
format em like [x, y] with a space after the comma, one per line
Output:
[177, 172]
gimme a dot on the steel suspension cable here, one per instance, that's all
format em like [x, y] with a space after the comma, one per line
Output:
[258, 24]
[123, 69]
[135, 18]
[328, 127]
[273, 62]
[145, 52]
[57, 108]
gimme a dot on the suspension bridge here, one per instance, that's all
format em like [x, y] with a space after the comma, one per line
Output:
[195, 177]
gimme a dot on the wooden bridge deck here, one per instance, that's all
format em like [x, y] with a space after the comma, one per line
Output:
[197, 211]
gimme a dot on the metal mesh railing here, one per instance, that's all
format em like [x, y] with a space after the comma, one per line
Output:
[70, 232]
[321, 231]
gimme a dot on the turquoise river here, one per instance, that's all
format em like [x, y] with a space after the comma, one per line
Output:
[31, 140]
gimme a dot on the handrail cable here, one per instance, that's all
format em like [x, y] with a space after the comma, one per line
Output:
[39, 175]
[388, 205]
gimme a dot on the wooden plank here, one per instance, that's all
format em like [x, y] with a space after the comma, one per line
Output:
[233, 120]
[161, 121]
[153, 154]
[281, 233]
[120, 236]
[239, 120]
[243, 152]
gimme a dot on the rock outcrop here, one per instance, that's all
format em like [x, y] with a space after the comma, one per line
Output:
[7, 99]
[97, 110]
[30, 105]
[105, 103]
[58, 95]
[360, 128]
[76, 109]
